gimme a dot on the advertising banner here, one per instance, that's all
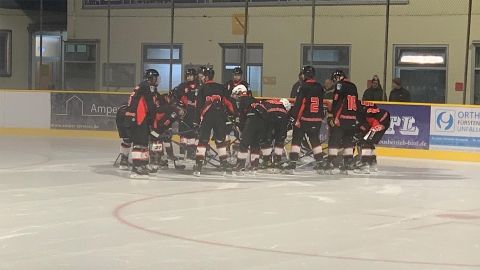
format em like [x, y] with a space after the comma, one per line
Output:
[82, 111]
[455, 129]
[409, 127]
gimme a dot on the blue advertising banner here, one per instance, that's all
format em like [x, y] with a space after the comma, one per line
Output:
[456, 129]
[82, 111]
[409, 127]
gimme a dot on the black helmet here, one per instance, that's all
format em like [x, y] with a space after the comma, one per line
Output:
[337, 74]
[210, 73]
[201, 70]
[173, 95]
[150, 73]
[237, 70]
[308, 71]
[191, 71]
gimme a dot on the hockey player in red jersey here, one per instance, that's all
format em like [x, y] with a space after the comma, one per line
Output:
[186, 92]
[252, 114]
[373, 122]
[211, 107]
[275, 132]
[307, 116]
[139, 116]
[342, 120]
[165, 116]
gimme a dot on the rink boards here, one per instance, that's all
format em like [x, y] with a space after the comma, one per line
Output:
[429, 131]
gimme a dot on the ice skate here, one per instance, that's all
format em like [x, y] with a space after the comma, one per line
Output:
[373, 165]
[239, 170]
[139, 172]
[290, 168]
[343, 169]
[163, 165]
[196, 171]
[362, 169]
[328, 169]
[123, 162]
[152, 169]
[318, 168]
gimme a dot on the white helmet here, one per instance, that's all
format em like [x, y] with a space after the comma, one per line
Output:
[286, 104]
[238, 90]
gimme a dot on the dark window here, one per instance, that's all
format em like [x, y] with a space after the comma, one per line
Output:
[5, 53]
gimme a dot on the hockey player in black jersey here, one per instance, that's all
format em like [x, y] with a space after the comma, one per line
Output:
[165, 116]
[275, 132]
[342, 120]
[139, 115]
[212, 104]
[307, 116]
[237, 79]
[252, 114]
[373, 122]
[186, 92]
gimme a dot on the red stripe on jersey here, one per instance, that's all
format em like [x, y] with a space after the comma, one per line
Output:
[141, 110]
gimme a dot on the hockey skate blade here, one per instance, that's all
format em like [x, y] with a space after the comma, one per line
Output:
[138, 176]
[196, 174]
[328, 172]
[123, 168]
[241, 173]
[180, 167]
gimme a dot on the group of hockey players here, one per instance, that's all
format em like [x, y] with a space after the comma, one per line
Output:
[207, 110]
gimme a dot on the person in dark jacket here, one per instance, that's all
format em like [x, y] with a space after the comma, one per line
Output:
[398, 93]
[296, 86]
[375, 92]
[329, 89]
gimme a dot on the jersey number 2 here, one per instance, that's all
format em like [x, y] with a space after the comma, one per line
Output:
[314, 104]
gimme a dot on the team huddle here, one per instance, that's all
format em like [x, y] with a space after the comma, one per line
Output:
[206, 110]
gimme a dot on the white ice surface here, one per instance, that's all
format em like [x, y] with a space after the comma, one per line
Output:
[64, 206]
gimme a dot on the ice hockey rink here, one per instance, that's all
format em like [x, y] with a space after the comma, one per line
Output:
[64, 206]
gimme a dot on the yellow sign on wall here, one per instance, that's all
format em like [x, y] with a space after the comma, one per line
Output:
[238, 24]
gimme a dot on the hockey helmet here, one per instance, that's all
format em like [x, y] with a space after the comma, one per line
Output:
[308, 71]
[210, 73]
[191, 72]
[150, 74]
[337, 75]
[201, 70]
[286, 104]
[239, 90]
[237, 71]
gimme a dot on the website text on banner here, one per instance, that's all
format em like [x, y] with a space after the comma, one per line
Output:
[85, 111]
[455, 129]
[409, 127]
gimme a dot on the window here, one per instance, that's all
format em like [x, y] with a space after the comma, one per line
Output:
[232, 57]
[81, 65]
[119, 75]
[423, 71]
[5, 53]
[157, 56]
[326, 59]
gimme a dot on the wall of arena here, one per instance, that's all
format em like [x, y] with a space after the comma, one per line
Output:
[282, 30]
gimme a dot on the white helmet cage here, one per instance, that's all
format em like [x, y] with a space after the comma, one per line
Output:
[238, 90]
[286, 104]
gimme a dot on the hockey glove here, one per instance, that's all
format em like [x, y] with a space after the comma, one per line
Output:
[291, 120]
[196, 126]
[378, 128]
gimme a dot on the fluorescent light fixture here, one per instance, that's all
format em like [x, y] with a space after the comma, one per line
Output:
[422, 59]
